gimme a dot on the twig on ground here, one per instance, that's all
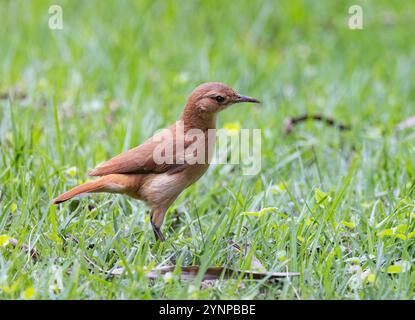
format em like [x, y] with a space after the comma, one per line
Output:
[292, 121]
[15, 93]
[33, 251]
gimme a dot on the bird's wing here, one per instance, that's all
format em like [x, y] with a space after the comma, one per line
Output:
[141, 159]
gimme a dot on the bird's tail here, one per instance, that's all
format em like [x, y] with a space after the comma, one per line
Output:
[99, 185]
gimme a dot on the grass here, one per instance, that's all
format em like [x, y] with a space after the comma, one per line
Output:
[344, 201]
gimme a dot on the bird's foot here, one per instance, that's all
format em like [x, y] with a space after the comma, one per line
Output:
[157, 233]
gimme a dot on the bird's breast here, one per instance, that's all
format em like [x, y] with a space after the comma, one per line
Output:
[164, 188]
[194, 160]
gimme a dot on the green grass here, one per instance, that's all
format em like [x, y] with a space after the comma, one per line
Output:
[118, 71]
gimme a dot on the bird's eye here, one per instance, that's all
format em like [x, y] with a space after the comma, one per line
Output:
[219, 99]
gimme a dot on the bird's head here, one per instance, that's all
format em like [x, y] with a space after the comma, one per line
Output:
[212, 97]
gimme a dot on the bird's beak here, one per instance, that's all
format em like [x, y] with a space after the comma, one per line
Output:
[241, 98]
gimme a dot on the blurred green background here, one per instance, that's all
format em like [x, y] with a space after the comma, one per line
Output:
[119, 70]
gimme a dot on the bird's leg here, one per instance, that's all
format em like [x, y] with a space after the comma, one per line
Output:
[157, 233]
[156, 218]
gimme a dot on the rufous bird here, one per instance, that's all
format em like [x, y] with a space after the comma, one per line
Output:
[138, 174]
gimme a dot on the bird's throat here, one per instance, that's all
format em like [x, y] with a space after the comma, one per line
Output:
[194, 119]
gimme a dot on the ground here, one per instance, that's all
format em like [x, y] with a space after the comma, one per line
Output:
[336, 206]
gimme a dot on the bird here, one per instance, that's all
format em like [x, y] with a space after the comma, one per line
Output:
[152, 173]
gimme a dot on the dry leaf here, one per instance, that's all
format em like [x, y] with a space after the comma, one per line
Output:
[213, 273]
[255, 263]
[258, 271]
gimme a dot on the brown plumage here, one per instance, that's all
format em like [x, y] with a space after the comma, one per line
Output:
[140, 175]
